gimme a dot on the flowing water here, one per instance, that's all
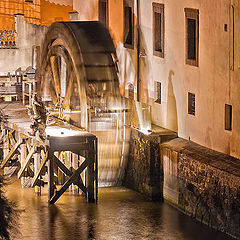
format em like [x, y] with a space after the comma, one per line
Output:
[120, 214]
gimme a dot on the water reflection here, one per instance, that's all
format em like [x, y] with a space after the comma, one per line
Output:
[120, 215]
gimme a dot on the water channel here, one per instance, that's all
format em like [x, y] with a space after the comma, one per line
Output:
[120, 214]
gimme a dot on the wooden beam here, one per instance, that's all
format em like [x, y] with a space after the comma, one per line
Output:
[11, 137]
[96, 169]
[50, 174]
[23, 156]
[77, 182]
[11, 153]
[73, 147]
[90, 177]
[28, 144]
[37, 163]
[2, 137]
[43, 163]
[59, 193]
[26, 163]
[62, 166]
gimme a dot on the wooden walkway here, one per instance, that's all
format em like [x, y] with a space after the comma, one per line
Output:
[69, 153]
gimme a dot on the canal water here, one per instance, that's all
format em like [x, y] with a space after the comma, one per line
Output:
[120, 214]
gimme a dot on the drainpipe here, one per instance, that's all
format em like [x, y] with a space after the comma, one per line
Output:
[138, 53]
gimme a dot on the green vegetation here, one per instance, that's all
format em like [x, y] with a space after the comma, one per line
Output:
[8, 213]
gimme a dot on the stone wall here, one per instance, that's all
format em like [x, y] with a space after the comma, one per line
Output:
[28, 36]
[206, 184]
[210, 195]
[144, 172]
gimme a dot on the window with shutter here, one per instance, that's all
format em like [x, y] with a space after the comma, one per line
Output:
[158, 29]
[192, 36]
[128, 24]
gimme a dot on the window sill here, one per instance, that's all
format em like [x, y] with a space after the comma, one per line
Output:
[130, 46]
[192, 62]
[158, 54]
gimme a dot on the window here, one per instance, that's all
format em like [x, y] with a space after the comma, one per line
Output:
[73, 16]
[228, 117]
[192, 36]
[130, 91]
[158, 90]
[158, 29]
[128, 24]
[191, 103]
[103, 12]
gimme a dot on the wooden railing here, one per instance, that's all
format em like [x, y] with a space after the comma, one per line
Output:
[7, 39]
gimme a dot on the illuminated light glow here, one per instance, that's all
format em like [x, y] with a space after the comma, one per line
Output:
[145, 131]
[57, 131]
[144, 119]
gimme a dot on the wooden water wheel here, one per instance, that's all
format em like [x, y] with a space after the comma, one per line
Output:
[79, 78]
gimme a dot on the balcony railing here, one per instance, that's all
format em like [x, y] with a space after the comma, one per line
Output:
[7, 39]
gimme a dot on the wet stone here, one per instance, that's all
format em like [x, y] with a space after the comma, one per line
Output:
[204, 183]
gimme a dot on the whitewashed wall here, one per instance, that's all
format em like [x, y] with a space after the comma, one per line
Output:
[27, 36]
[212, 82]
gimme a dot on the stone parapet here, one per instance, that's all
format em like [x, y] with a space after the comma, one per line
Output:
[144, 171]
[206, 184]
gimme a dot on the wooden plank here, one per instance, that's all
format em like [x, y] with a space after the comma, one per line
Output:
[59, 193]
[2, 137]
[62, 166]
[96, 170]
[29, 144]
[26, 163]
[77, 182]
[23, 156]
[11, 153]
[43, 163]
[73, 147]
[12, 138]
[50, 174]
[90, 176]
[37, 163]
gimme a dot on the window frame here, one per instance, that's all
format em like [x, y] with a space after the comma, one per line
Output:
[130, 91]
[228, 117]
[158, 92]
[107, 12]
[130, 4]
[191, 13]
[191, 103]
[158, 8]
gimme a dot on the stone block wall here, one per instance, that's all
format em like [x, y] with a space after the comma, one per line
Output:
[207, 184]
[204, 183]
[209, 195]
[144, 170]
